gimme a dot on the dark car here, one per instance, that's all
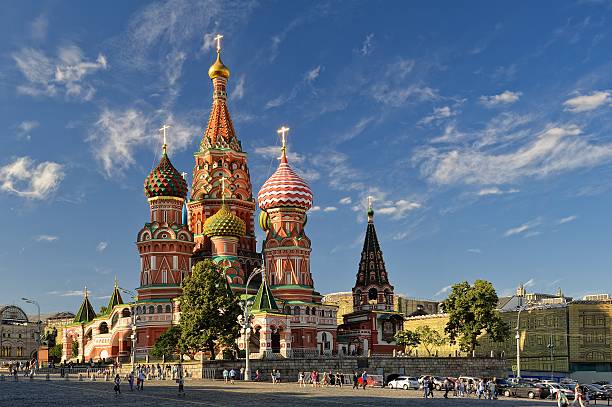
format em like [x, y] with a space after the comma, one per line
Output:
[526, 389]
[501, 385]
[595, 392]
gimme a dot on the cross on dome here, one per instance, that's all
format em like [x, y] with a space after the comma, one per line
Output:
[163, 130]
[218, 39]
[283, 134]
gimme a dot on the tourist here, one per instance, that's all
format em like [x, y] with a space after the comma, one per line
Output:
[117, 383]
[355, 380]
[273, 376]
[257, 375]
[341, 379]
[480, 389]
[130, 380]
[425, 387]
[225, 375]
[301, 379]
[364, 379]
[313, 378]
[242, 373]
[446, 386]
[493, 389]
[562, 400]
[232, 375]
[141, 379]
[431, 387]
[278, 376]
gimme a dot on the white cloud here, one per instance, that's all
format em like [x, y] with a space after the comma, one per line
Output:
[497, 191]
[396, 96]
[584, 103]
[356, 130]
[26, 179]
[38, 28]
[25, 128]
[368, 45]
[46, 238]
[443, 290]
[274, 152]
[315, 208]
[101, 246]
[346, 200]
[66, 74]
[505, 98]
[529, 283]
[554, 150]
[313, 74]
[398, 209]
[208, 42]
[567, 219]
[400, 236]
[450, 135]
[439, 113]
[474, 251]
[523, 229]
[237, 92]
[71, 293]
[330, 209]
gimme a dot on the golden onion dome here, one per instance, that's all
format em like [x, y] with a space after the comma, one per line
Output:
[224, 223]
[218, 69]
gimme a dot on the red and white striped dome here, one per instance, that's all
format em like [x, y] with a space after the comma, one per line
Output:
[285, 188]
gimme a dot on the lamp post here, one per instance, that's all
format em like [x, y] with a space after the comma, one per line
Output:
[551, 347]
[133, 335]
[246, 321]
[30, 301]
[518, 342]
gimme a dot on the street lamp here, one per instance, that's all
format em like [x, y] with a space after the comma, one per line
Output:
[133, 335]
[551, 347]
[246, 320]
[30, 301]
[518, 342]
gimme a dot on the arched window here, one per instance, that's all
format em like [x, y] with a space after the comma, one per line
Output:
[125, 313]
[160, 309]
[151, 309]
[307, 310]
[168, 309]
[103, 328]
[372, 294]
[324, 336]
[296, 310]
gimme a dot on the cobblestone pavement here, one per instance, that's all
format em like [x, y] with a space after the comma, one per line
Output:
[61, 393]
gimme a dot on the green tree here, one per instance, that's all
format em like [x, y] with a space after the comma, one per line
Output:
[209, 310]
[103, 310]
[55, 352]
[75, 349]
[430, 338]
[168, 343]
[408, 339]
[472, 310]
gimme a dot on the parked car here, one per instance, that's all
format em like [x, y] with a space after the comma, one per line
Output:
[595, 392]
[404, 382]
[527, 389]
[502, 384]
[556, 387]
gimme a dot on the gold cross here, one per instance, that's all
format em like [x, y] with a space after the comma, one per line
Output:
[163, 130]
[283, 132]
[370, 201]
[218, 39]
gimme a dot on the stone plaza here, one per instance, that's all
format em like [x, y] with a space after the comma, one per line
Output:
[40, 392]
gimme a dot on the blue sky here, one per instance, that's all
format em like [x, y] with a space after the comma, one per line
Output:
[482, 130]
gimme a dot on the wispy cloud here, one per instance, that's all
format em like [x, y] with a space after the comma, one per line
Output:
[66, 74]
[496, 191]
[567, 219]
[367, 46]
[24, 129]
[315, 208]
[274, 152]
[439, 113]
[474, 251]
[101, 246]
[523, 229]
[555, 150]
[355, 130]
[313, 74]
[400, 236]
[46, 238]
[505, 98]
[330, 209]
[71, 293]
[38, 28]
[585, 103]
[398, 209]
[529, 283]
[237, 92]
[443, 290]
[24, 178]
[346, 200]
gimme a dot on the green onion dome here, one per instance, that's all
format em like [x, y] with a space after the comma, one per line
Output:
[224, 223]
[165, 180]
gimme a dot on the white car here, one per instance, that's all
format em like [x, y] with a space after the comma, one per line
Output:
[555, 387]
[404, 382]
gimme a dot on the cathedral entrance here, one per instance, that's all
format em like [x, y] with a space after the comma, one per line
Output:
[276, 341]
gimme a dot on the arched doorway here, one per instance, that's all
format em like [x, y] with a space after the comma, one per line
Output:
[276, 335]
[254, 339]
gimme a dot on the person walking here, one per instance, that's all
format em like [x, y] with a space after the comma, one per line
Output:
[130, 380]
[232, 375]
[241, 373]
[273, 376]
[355, 380]
[141, 379]
[431, 387]
[364, 379]
[225, 375]
[446, 385]
[117, 382]
[278, 376]
[425, 387]
[341, 379]
[300, 379]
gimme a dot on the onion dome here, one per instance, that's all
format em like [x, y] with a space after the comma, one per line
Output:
[165, 180]
[224, 223]
[285, 188]
[218, 69]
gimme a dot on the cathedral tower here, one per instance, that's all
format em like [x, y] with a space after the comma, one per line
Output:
[372, 289]
[164, 243]
[220, 156]
[284, 199]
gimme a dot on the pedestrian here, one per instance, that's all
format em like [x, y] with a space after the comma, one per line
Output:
[364, 379]
[225, 375]
[232, 375]
[480, 389]
[301, 379]
[493, 389]
[431, 387]
[141, 379]
[273, 376]
[278, 376]
[130, 380]
[257, 375]
[117, 383]
[341, 379]
[562, 400]
[425, 387]
[446, 386]
[242, 373]
[355, 380]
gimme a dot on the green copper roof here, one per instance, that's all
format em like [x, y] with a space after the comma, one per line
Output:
[86, 311]
[224, 223]
[115, 298]
[165, 180]
[264, 300]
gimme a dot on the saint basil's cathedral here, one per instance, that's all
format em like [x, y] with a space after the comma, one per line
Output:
[217, 222]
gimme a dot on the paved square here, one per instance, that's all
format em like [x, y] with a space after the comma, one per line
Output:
[62, 393]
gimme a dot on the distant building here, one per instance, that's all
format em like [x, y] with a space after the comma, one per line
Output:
[17, 334]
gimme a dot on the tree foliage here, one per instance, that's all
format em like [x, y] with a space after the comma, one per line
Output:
[75, 349]
[408, 339]
[168, 344]
[430, 338]
[471, 310]
[55, 352]
[209, 310]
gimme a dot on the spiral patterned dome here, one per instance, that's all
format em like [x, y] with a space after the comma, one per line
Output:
[165, 180]
[285, 188]
[224, 223]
